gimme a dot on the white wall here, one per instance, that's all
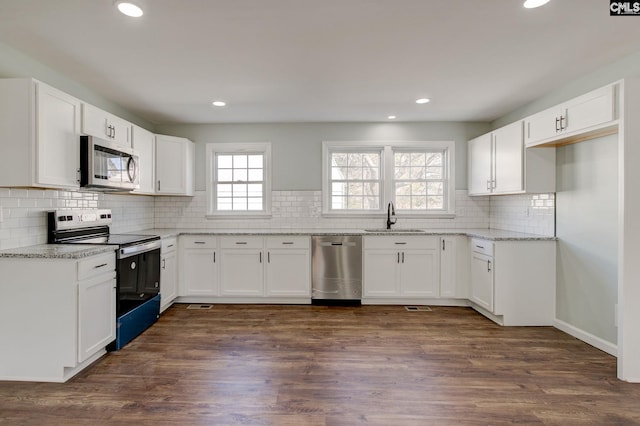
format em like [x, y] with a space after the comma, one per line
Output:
[297, 147]
[587, 229]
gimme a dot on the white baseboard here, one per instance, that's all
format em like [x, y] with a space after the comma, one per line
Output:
[586, 337]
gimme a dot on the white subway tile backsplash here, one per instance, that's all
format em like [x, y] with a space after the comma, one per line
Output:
[25, 220]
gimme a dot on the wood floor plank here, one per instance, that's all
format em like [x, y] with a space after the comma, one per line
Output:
[314, 365]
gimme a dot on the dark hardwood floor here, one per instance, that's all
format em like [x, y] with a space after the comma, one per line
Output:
[307, 365]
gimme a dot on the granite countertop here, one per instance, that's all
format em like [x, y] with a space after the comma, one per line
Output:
[487, 234]
[79, 251]
[56, 251]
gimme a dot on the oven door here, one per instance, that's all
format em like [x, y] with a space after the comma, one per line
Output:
[139, 276]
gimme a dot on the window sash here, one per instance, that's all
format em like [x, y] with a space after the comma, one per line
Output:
[348, 170]
[419, 192]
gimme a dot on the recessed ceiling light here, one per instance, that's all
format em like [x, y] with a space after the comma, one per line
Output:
[530, 4]
[129, 9]
[422, 100]
[218, 103]
[391, 117]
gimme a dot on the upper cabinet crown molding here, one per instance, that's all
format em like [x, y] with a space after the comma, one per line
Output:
[585, 117]
[40, 134]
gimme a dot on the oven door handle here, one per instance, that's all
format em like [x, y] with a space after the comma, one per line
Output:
[138, 248]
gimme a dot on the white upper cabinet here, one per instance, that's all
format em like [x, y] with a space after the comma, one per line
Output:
[583, 117]
[481, 165]
[144, 143]
[174, 166]
[40, 134]
[499, 164]
[101, 124]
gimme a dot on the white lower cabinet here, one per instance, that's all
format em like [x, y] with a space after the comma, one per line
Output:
[241, 266]
[245, 268]
[198, 265]
[454, 266]
[168, 272]
[58, 315]
[288, 267]
[513, 282]
[401, 267]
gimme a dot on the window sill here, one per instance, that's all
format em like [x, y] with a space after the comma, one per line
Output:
[237, 215]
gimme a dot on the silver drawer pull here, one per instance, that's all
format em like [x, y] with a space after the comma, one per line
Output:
[199, 242]
[400, 244]
[480, 247]
[100, 266]
[241, 242]
[170, 245]
[287, 242]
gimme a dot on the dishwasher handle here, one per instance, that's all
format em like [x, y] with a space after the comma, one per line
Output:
[337, 244]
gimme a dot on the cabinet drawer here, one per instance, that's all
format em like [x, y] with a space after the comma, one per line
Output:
[285, 242]
[400, 242]
[96, 265]
[198, 241]
[169, 245]
[241, 242]
[482, 246]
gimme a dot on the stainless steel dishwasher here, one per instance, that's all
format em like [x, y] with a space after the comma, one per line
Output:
[336, 272]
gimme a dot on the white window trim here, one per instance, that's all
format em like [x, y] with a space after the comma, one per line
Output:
[386, 194]
[239, 148]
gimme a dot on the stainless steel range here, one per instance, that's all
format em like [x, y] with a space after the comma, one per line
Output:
[137, 260]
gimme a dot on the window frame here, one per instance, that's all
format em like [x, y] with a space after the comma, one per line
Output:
[387, 193]
[212, 151]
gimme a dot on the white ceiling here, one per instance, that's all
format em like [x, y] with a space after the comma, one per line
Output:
[320, 60]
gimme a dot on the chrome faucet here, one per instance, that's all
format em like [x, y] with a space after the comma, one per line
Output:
[391, 212]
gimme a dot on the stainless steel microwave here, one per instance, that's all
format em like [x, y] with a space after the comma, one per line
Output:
[105, 165]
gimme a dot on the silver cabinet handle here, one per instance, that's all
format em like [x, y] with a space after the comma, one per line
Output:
[402, 257]
[260, 257]
[158, 185]
[401, 243]
[398, 257]
[557, 124]
[199, 242]
[100, 266]
[214, 257]
[488, 266]
[563, 122]
[241, 242]
[442, 245]
[268, 257]
[164, 263]
[287, 242]
[170, 245]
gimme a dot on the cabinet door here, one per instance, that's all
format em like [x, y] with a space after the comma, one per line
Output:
[101, 124]
[120, 130]
[509, 157]
[448, 266]
[168, 279]
[288, 273]
[543, 125]
[381, 273]
[198, 275]
[58, 140]
[588, 110]
[482, 280]
[480, 165]
[96, 314]
[241, 272]
[174, 165]
[144, 142]
[419, 273]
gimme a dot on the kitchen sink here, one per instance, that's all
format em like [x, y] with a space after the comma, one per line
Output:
[394, 230]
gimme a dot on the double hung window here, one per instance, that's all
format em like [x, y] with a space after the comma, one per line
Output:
[238, 179]
[361, 178]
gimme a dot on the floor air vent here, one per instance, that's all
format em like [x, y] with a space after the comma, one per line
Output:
[417, 308]
[199, 307]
